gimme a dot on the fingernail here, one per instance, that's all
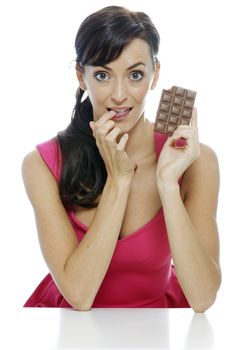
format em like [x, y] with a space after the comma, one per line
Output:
[181, 143]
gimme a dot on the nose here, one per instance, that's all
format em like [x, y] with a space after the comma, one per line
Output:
[119, 94]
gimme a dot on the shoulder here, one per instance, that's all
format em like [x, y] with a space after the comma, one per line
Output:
[203, 172]
[38, 179]
[34, 165]
[207, 160]
[31, 160]
[47, 154]
[207, 152]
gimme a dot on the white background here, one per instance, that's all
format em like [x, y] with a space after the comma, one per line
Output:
[37, 95]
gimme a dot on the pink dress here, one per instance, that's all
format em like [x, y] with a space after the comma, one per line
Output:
[140, 275]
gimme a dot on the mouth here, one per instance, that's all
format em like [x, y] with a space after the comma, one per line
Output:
[121, 112]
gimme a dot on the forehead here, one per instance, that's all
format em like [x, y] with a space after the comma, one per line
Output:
[136, 51]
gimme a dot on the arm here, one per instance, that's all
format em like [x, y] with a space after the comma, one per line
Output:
[193, 233]
[87, 265]
[78, 268]
[191, 226]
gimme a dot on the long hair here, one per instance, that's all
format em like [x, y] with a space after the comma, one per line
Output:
[100, 39]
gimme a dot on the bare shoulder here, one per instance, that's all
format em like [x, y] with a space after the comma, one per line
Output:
[31, 160]
[37, 178]
[203, 172]
[208, 154]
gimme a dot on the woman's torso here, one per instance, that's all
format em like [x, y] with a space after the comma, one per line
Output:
[143, 201]
[140, 273]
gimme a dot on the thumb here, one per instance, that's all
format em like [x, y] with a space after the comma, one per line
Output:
[194, 117]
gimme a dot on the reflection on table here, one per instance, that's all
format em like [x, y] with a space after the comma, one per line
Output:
[52, 328]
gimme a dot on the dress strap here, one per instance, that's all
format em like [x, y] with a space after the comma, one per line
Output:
[160, 139]
[51, 154]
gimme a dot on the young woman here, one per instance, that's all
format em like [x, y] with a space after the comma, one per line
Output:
[114, 200]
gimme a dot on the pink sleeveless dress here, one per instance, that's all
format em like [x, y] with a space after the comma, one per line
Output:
[140, 275]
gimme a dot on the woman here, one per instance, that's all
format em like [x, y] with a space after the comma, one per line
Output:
[114, 200]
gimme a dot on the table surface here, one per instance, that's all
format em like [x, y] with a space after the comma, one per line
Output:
[54, 328]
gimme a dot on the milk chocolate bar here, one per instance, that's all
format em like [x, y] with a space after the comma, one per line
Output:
[175, 108]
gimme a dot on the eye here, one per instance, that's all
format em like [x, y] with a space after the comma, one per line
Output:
[101, 76]
[137, 75]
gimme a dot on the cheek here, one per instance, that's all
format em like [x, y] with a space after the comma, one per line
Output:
[141, 93]
[97, 98]
[96, 94]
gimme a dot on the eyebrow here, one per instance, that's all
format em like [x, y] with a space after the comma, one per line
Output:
[131, 67]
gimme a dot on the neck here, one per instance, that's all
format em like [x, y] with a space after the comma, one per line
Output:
[140, 146]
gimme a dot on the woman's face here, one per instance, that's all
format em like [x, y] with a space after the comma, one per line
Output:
[122, 84]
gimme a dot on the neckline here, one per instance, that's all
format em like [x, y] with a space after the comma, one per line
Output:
[131, 235]
[142, 228]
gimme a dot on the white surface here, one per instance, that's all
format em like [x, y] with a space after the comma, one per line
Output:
[175, 329]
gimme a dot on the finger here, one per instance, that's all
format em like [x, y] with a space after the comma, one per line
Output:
[104, 129]
[181, 143]
[181, 134]
[104, 118]
[112, 135]
[108, 115]
[181, 138]
[194, 117]
[122, 143]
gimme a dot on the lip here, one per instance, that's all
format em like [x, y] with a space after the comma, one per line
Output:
[121, 112]
[119, 108]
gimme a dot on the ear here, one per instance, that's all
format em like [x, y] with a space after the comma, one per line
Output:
[156, 76]
[80, 76]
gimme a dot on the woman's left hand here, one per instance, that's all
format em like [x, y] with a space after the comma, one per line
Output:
[173, 160]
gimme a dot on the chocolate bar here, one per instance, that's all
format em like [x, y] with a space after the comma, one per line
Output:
[175, 108]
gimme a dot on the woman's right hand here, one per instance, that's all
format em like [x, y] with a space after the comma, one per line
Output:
[117, 162]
